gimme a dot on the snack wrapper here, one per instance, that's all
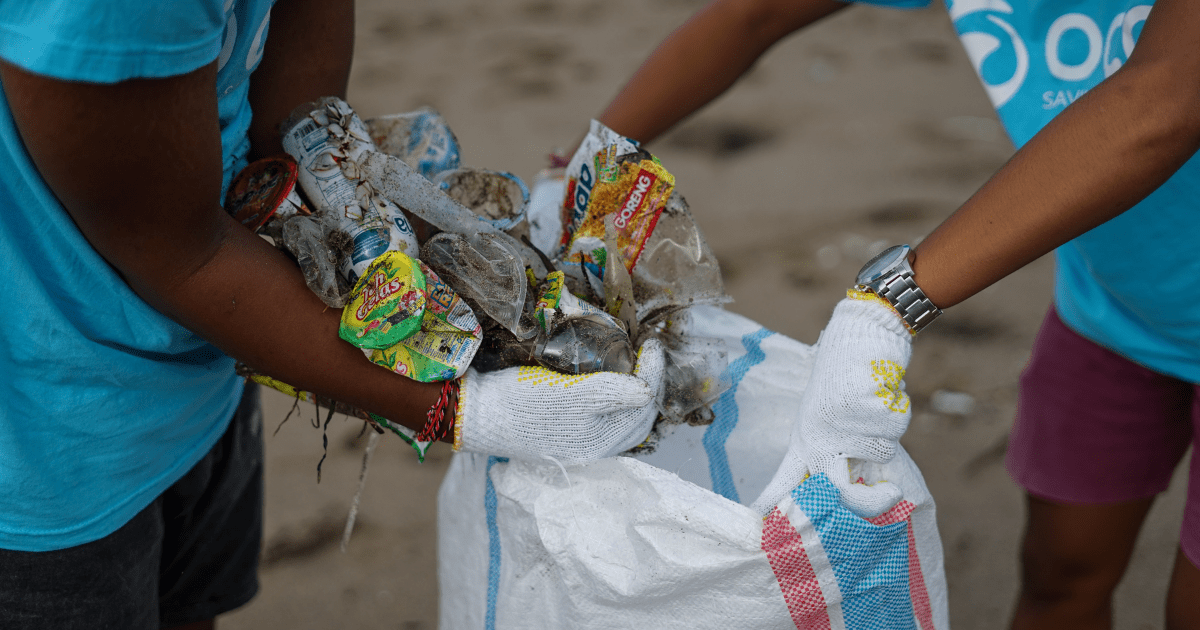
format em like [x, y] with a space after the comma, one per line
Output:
[582, 175]
[447, 340]
[556, 303]
[622, 182]
[387, 304]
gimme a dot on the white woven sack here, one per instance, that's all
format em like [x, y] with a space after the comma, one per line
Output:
[665, 540]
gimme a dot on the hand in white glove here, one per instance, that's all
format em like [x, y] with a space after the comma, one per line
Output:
[532, 412]
[853, 408]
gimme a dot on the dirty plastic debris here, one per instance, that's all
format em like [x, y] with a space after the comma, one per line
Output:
[500, 198]
[696, 368]
[586, 344]
[676, 269]
[387, 305]
[574, 337]
[320, 246]
[544, 212]
[265, 191]
[421, 138]
[401, 184]
[618, 286]
[447, 341]
[488, 272]
[328, 140]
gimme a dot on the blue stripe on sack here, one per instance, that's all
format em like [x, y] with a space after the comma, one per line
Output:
[726, 413]
[489, 506]
[869, 561]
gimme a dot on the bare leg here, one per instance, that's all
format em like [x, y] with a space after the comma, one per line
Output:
[1072, 558]
[1183, 597]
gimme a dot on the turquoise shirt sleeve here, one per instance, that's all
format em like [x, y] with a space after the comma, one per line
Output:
[106, 41]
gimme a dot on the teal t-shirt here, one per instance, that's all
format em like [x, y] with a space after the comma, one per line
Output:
[1119, 284]
[104, 401]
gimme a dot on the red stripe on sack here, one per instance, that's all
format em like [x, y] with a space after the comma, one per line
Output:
[900, 512]
[916, 585]
[794, 572]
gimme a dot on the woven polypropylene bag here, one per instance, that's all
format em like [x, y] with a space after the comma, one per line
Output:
[666, 540]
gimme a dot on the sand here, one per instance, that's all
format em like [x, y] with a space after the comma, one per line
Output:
[869, 128]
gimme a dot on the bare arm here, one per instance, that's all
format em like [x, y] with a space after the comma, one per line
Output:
[307, 56]
[1098, 158]
[701, 59]
[151, 210]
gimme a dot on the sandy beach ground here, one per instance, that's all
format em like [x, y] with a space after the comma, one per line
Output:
[869, 128]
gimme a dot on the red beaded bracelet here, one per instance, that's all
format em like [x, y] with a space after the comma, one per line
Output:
[435, 426]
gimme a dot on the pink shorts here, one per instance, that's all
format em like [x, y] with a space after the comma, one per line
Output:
[1095, 427]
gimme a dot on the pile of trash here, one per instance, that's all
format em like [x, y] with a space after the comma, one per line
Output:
[439, 267]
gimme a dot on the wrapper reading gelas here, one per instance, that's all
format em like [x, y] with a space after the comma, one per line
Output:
[442, 349]
[633, 189]
[387, 304]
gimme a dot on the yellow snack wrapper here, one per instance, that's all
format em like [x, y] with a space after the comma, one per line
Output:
[447, 340]
[633, 189]
[387, 303]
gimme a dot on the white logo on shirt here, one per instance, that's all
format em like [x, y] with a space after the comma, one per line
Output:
[1100, 48]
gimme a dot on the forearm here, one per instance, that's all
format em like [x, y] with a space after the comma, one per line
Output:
[251, 301]
[1101, 156]
[703, 58]
[165, 233]
[307, 56]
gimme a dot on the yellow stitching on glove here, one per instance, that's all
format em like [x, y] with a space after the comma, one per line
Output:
[887, 375]
[541, 376]
[458, 413]
[867, 296]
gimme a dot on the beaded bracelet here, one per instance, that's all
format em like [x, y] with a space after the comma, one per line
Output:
[435, 426]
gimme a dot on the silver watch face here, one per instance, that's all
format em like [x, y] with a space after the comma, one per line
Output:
[882, 263]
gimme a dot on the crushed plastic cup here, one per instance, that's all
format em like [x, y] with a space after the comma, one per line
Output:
[677, 269]
[319, 246]
[586, 344]
[499, 197]
[488, 272]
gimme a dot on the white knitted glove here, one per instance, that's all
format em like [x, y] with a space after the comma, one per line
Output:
[853, 408]
[532, 412]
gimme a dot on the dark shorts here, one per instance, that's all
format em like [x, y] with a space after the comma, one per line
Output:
[1094, 427]
[189, 556]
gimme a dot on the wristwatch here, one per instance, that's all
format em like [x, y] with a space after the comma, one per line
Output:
[889, 276]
